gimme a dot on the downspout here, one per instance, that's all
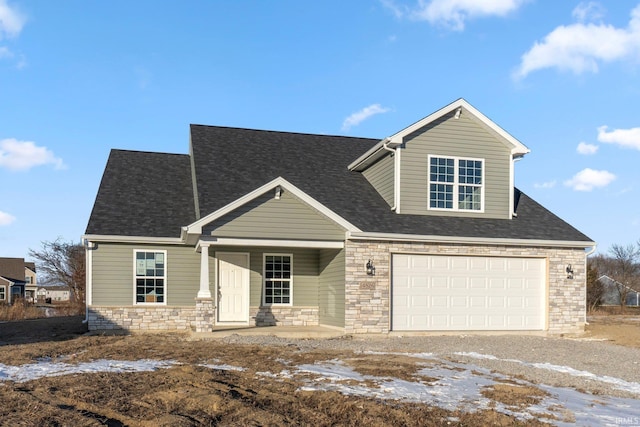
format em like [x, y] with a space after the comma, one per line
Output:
[395, 172]
[593, 249]
[512, 172]
[89, 247]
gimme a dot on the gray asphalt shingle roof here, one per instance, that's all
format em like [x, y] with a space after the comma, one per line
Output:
[143, 194]
[12, 269]
[231, 162]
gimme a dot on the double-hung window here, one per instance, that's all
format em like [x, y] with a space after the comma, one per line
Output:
[150, 276]
[277, 279]
[3, 293]
[456, 183]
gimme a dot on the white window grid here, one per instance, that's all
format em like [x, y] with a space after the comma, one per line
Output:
[455, 183]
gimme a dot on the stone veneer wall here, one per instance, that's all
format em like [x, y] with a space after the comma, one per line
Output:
[368, 299]
[143, 318]
[284, 316]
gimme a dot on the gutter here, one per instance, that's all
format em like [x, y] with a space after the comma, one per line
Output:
[468, 240]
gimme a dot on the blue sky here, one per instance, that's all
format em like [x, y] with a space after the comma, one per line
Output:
[78, 78]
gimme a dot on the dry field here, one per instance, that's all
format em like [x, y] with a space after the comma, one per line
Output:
[202, 387]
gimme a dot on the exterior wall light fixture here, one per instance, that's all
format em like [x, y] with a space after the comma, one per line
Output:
[371, 270]
[569, 271]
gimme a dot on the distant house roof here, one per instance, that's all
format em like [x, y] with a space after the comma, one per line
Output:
[12, 269]
[151, 194]
[31, 266]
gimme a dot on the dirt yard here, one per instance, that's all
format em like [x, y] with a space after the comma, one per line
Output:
[211, 382]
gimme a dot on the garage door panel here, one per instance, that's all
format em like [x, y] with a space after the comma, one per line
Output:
[467, 293]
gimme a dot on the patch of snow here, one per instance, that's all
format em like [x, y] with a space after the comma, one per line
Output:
[222, 367]
[34, 371]
[618, 383]
[459, 386]
[283, 374]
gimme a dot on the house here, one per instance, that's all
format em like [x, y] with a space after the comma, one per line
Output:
[30, 278]
[421, 231]
[16, 279]
[54, 294]
[611, 293]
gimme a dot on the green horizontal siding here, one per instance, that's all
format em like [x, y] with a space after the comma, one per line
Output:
[113, 281]
[331, 287]
[464, 137]
[269, 218]
[305, 273]
[381, 175]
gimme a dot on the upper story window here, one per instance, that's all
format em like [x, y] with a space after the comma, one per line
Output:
[456, 183]
[150, 276]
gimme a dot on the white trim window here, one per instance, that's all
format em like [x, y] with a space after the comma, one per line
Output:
[456, 184]
[3, 293]
[278, 279]
[150, 276]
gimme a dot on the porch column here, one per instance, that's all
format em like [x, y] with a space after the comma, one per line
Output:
[204, 291]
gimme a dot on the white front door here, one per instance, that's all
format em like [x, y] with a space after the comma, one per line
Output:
[233, 287]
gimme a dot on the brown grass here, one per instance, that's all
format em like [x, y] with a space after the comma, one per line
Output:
[192, 395]
[19, 310]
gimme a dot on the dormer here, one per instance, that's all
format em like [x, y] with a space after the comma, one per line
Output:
[454, 162]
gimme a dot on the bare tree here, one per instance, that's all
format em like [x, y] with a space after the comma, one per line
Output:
[595, 288]
[62, 263]
[623, 267]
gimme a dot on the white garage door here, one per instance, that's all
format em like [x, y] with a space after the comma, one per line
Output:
[436, 292]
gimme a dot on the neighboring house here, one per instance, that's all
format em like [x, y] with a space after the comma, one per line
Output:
[16, 276]
[53, 293]
[30, 278]
[420, 231]
[611, 293]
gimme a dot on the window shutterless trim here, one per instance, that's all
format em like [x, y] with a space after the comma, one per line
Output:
[456, 184]
[164, 277]
[264, 279]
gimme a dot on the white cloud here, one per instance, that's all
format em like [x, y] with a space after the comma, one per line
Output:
[628, 138]
[11, 20]
[23, 155]
[588, 12]
[588, 179]
[548, 184]
[586, 149]
[6, 219]
[582, 47]
[360, 116]
[454, 13]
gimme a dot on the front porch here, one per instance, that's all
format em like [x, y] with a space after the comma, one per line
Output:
[261, 283]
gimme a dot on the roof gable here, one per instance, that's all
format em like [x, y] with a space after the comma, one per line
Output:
[278, 185]
[456, 108]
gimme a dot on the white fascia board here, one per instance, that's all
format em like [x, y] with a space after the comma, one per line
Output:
[373, 154]
[312, 244]
[518, 147]
[470, 240]
[6, 280]
[132, 239]
[196, 227]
